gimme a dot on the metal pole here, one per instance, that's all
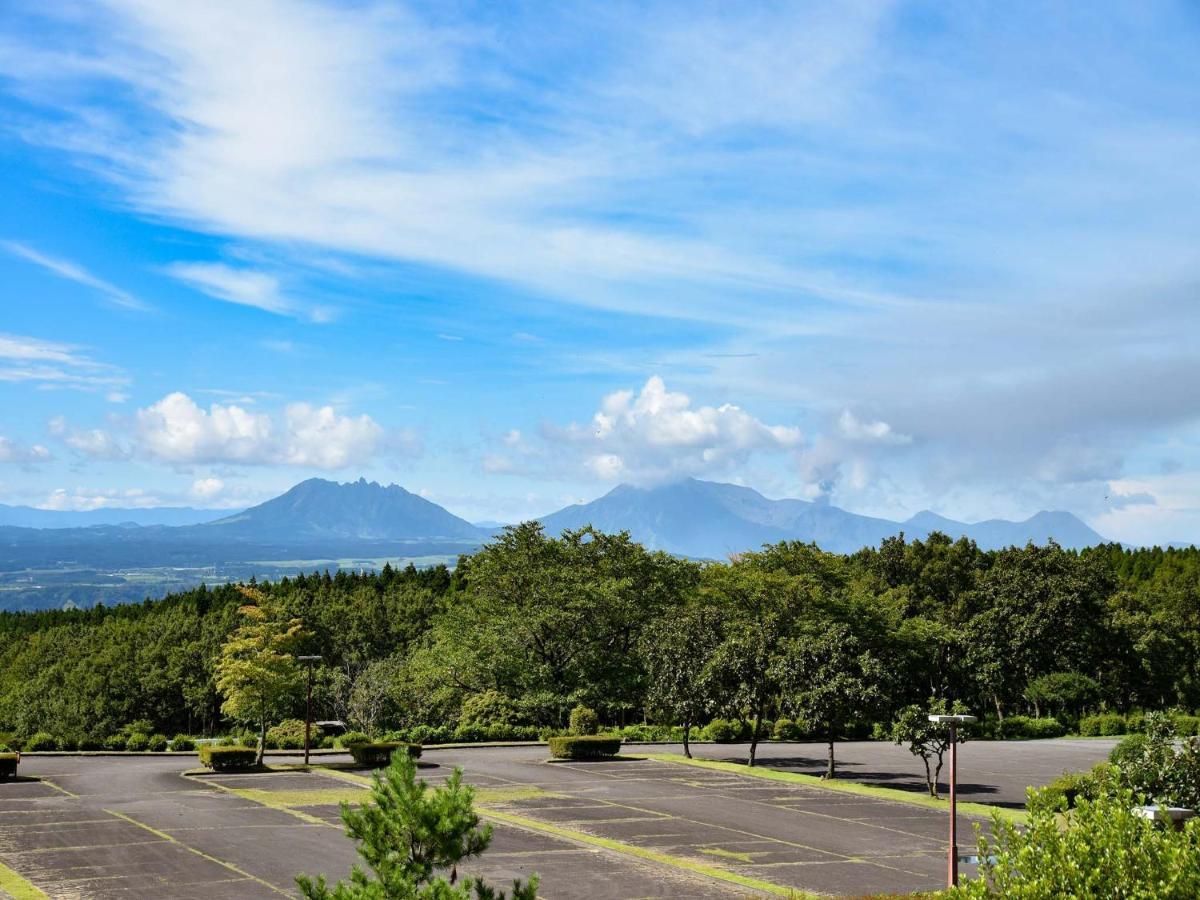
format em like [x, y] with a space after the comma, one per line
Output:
[308, 715]
[952, 870]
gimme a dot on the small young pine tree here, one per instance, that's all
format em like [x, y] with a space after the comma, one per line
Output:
[409, 835]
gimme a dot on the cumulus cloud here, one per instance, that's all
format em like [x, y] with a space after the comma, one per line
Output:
[95, 443]
[856, 431]
[207, 488]
[22, 454]
[655, 435]
[177, 430]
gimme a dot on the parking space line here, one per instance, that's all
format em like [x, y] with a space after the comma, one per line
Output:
[208, 856]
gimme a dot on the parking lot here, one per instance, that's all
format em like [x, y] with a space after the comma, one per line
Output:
[135, 826]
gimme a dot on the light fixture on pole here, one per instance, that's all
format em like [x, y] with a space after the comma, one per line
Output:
[952, 852]
[309, 661]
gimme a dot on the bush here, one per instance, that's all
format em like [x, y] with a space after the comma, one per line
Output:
[1026, 728]
[224, 759]
[157, 743]
[723, 731]
[657, 733]
[430, 734]
[350, 738]
[379, 753]
[1186, 725]
[1101, 849]
[1129, 751]
[471, 733]
[8, 763]
[327, 742]
[787, 730]
[182, 742]
[287, 735]
[1135, 723]
[584, 720]
[42, 740]
[90, 742]
[591, 746]
[488, 708]
[1103, 725]
[114, 742]
[137, 742]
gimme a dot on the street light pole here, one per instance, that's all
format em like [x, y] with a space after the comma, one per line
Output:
[952, 850]
[310, 660]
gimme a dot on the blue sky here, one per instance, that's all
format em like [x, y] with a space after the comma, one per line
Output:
[892, 256]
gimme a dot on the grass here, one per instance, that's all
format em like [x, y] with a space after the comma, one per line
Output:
[18, 887]
[981, 810]
[677, 862]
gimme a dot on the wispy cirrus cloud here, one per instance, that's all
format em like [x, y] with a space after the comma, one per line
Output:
[52, 364]
[71, 271]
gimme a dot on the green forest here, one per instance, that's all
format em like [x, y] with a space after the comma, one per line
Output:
[531, 626]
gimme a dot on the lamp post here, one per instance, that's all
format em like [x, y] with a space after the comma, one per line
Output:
[309, 661]
[952, 852]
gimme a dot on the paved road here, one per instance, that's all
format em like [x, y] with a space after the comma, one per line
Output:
[135, 827]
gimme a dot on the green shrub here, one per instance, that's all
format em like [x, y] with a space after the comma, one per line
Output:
[182, 742]
[224, 759]
[114, 742]
[8, 763]
[1103, 848]
[584, 720]
[471, 733]
[379, 753]
[488, 708]
[91, 742]
[1026, 728]
[157, 743]
[42, 740]
[1103, 725]
[287, 735]
[351, 738]
[1128, 751]
[787, 730]
[590, 746]
[1135, 723]
[327, 742]
[430, 734]
[137, 742]
[1186, 725]
[723, 731]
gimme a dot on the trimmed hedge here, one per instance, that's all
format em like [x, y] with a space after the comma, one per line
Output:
[221, 759]
[1026, 728]
[350, 738]
[589, 746]
[379, 753]
[182, 742]
[8, 765]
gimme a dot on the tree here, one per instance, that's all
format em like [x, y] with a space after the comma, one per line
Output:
[926, 739]
[829, 679]
[1062, 692]
[678, 650]
[410, 837]
[257, 672]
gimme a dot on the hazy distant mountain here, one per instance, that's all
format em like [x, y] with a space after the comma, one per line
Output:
[31, 517]
[360, 511]
[707, 519]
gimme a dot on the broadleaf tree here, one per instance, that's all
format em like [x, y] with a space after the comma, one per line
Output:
[257, 672]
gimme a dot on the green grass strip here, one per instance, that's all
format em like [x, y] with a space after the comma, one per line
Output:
[979, 810]
[697, 868]
[18, 887]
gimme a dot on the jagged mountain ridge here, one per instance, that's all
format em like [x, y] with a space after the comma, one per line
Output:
[712, 520]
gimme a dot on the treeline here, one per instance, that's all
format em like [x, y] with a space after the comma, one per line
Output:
[531, 626]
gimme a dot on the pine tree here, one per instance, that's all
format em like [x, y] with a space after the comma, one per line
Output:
[410, 835]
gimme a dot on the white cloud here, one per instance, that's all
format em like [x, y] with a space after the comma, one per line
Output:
[77, 273]
[177, 430]
[12, 451]
[852, 429]
[95, 443]
[657, 435]
[242, 286]
[83, 498]
[207, 488]
[52, 364]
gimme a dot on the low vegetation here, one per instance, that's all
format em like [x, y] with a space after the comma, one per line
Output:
[224, 759]
[377, 754]
[590, 746]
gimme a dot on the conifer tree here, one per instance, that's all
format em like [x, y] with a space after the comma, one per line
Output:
[412, 838]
